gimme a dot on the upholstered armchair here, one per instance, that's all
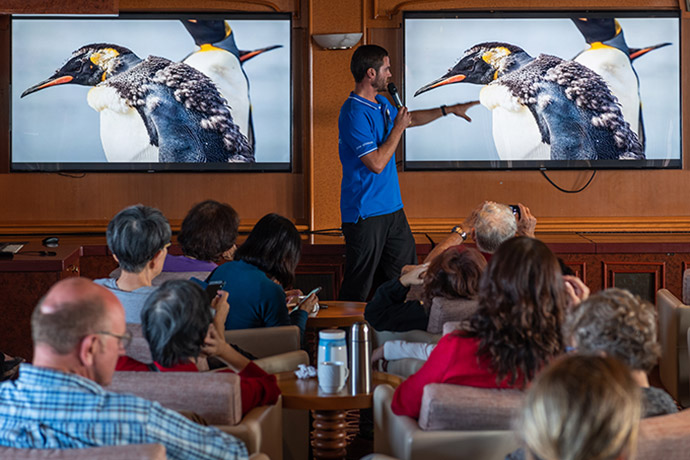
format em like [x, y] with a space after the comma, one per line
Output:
[456, 422]
[128, 452]
[213, 396]
[674, 320]
[278, 348]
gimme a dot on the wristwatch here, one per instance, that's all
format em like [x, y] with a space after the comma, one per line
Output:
[458, 229]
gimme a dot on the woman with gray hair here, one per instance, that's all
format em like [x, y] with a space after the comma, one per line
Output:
[622, 325]
[183, 329]
[138, 237]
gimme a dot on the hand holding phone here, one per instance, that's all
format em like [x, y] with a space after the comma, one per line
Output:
[304, 301]
[213, 288]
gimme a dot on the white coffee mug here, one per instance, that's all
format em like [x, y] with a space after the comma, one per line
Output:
[332, 376]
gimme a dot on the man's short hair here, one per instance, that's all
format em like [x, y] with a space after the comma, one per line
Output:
[62, 327]
[364, 58]
[175, 321]
[136, 234]
[208, 230]
[619, 324]
[495, 224]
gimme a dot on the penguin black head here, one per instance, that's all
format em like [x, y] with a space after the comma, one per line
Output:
[481, 64]
[207, 31]
[88, 66]
[597, 29]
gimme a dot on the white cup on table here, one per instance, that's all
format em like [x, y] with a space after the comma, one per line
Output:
[332, 376]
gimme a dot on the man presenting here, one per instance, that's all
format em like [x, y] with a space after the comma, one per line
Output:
[377, 235]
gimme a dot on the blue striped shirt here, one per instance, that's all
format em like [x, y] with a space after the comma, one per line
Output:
[49, 409]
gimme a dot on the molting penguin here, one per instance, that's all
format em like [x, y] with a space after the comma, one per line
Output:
[610, 57]
[153, 109]
[544, 107]
[219, 59]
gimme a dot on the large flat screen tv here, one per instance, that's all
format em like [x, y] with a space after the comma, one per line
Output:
[151, 93]
[558, 90]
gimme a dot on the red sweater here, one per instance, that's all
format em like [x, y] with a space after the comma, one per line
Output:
[454, 360]
[257, 387]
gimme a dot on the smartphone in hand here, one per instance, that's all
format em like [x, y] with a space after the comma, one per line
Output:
[213, 288]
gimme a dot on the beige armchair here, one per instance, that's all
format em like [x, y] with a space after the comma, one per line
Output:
[674, 321]
[456, 422]
[276, 347]
[128, 452]
[664, 438]
[213, 396]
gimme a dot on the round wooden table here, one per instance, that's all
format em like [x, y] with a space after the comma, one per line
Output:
[328, 409]
[338, 313]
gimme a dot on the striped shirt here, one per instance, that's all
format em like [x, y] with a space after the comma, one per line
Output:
[49, 409]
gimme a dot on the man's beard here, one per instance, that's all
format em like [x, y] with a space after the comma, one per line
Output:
[380, 84]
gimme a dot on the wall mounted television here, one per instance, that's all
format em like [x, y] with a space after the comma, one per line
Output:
[151, 93]
[558, 90]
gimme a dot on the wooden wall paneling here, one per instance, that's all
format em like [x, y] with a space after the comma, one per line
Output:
[390, 8]
[59, 7]
[579, 267]
[5, 58]
[615, 276]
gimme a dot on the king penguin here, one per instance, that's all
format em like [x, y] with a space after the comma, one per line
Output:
[544, 107]
[153, 109]
[219, 59]
[609, 56]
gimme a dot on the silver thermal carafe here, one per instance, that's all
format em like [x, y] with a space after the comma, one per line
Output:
[360, 358]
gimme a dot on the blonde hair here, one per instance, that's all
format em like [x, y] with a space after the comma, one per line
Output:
[582, 408]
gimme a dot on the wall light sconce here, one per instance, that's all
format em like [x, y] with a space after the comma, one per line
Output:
[338, 41]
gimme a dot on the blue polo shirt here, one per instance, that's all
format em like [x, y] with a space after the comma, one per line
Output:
[363, 126]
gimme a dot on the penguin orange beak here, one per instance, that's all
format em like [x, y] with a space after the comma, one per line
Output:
[47, 83]
[440, 82]
[247, 55]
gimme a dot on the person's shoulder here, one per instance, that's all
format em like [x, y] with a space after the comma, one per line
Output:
[107, 282]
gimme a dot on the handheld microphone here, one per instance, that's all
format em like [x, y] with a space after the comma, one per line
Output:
[395, 95]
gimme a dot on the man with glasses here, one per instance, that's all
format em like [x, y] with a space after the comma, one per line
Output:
[138, 237]
[79, 333]
[377, 235]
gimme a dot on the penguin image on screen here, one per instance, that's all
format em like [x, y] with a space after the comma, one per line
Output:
[219, 58]
[545, 107]
[153, 110]
[609, 56]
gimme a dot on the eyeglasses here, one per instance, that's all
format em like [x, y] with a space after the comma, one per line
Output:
[125, 339]
[167, 245]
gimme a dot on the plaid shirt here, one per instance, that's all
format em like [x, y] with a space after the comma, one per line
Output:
[48, 409]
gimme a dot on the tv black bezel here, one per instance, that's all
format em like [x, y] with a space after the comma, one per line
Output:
[543, 165]
[115, 167]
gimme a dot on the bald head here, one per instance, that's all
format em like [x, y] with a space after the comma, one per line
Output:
[72, 309]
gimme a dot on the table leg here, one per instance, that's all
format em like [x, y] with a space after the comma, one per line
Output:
[329, 434]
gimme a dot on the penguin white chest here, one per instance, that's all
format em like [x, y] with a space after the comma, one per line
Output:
[515, 132]
[225, 70]
[616, 70]
[123, 134]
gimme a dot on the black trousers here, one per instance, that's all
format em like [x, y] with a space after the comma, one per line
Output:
[375, 247]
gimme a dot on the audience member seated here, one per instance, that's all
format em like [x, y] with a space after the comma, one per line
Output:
[623, 326]
[138, 237]
[516, 330]
[79, 332]
[489, 226]
[207, 237]
[581, 408]
[451, 276]
[256, 280]
[178, 323]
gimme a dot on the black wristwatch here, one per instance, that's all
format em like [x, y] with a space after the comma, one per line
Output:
[458, 229]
